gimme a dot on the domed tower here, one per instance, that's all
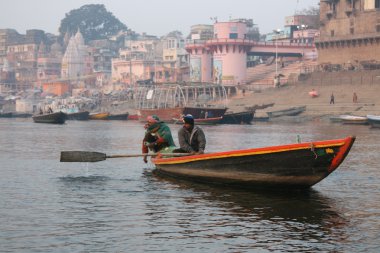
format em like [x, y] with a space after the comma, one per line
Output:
[229, 47]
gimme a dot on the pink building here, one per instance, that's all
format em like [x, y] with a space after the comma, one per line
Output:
[223, 58]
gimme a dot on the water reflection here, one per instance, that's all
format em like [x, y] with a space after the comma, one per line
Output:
[294, 218]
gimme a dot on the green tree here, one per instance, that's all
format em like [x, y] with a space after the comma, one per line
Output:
[94, 22]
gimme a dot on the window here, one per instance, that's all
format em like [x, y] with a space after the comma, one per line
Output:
[377, 28]
[233, 35]
[332, 33]
[351, 30]
[377, 4]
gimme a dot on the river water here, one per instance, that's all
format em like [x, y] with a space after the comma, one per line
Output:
[119, 205]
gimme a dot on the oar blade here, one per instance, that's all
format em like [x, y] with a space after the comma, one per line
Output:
[82, 156]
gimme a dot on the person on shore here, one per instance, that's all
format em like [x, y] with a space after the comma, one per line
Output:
[191, 138]
[354, 98]
[158, 137]
[332, 99]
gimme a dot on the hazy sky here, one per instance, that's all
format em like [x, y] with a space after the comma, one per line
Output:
[155, 17]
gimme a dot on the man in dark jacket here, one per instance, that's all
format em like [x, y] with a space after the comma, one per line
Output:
[191, 138]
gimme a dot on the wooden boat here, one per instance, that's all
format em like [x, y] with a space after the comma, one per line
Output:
[335, 119]
[205, 112]
[6, 115]
[207, 121]
[99, 116]
[356, 120]
[133, 117]
[293, 111]
[165, 114]
[245, 117]
[259, 107]
[78, 115]
[52, 118]
[120, 116]
[21, 115]
[374, 120]
[300, 165]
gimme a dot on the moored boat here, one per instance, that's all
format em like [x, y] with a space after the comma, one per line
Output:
[374, 120]
[206, 121]
[300, 165]
[245, 117]
[205, 111]
[355, 120]
[293, 111]
[118, 116]
[78, 115]
[6, 115]
[165, 114]
[99, 116]
[51, 118]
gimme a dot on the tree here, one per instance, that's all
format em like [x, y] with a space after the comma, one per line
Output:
[93, 21]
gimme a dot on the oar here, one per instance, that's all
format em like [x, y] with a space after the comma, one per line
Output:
[91, 157]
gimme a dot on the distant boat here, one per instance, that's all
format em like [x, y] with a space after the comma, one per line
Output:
[133, 117]
[6, 115]
[245, 117]
[164, 114]
[21, 115]
[78, 115]
[207, 121]
[374, 120]
[336, 119]
[99, 116]
[356, 120]
[120, 116]
[51, 118]
[202, 112]
[293, 111]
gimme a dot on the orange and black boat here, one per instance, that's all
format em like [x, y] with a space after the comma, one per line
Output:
[299, 165]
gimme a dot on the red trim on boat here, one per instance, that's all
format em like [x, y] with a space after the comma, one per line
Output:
[343, 151]
[256, 151]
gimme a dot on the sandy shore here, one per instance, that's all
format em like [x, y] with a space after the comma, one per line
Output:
[319, 107]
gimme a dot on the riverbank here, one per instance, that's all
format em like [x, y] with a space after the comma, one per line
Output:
[319, 107]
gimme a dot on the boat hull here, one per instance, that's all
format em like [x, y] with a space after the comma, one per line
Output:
[374, 120]
[354, 120]
[52, 118]
[205, 112]
[78, 115]
[206, 121]
[121, 116]
[165, 114]
[238, 118]
[291, 166]
[99, 116]
[294, 111]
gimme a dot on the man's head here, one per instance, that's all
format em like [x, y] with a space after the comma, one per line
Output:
[152, 122]
[188, 121]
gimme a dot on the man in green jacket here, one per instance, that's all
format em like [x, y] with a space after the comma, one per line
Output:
[158, 137]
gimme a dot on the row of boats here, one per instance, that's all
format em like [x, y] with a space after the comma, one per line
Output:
[61, 117]
[373, 120]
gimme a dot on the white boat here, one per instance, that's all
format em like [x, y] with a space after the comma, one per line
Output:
[352, 119]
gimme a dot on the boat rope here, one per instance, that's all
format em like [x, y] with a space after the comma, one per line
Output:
[312, 148]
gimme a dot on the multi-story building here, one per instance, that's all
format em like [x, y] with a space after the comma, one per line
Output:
[174, 54]
[349, 33]
[7, 37]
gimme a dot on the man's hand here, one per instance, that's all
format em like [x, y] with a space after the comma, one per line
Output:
[145, 159]
[151, 145]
